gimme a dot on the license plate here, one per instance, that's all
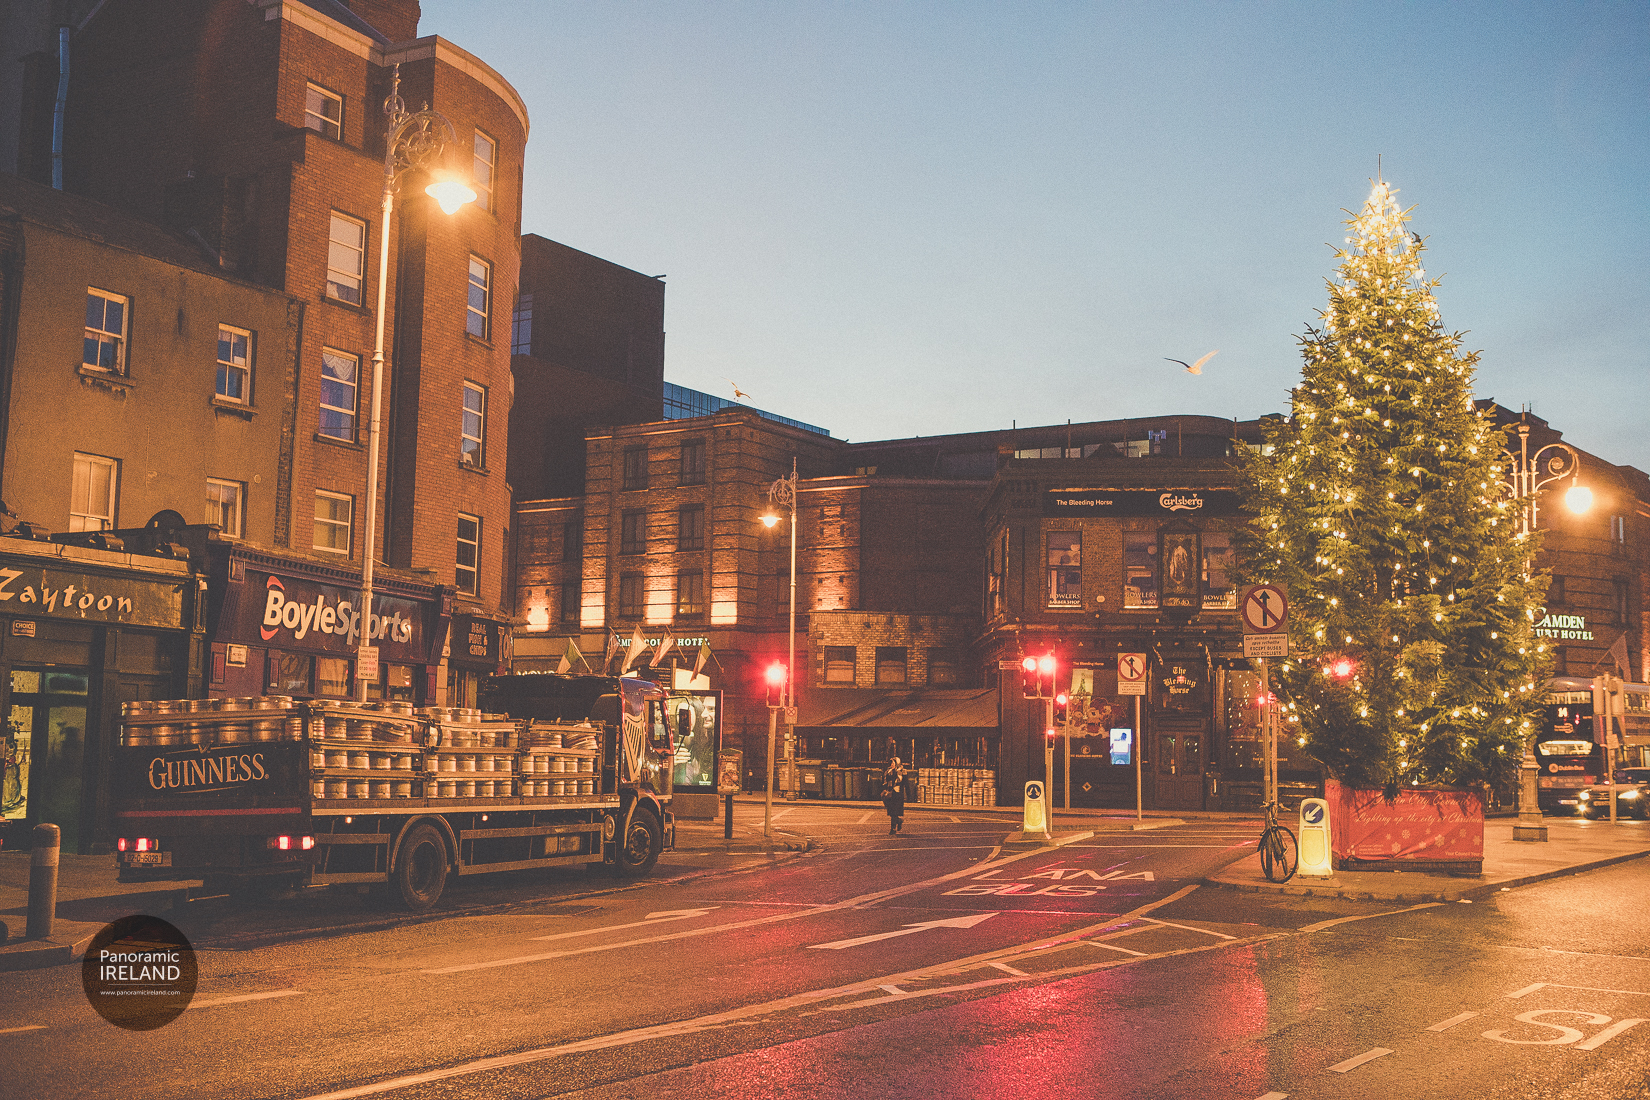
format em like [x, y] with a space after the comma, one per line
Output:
[158, 859]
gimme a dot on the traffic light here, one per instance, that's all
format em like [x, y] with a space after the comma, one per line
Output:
[1028, 678]
[1050, 738]
[1037, 676]
[776, 684]
[1062, 703]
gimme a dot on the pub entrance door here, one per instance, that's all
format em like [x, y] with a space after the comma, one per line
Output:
[1178, 762]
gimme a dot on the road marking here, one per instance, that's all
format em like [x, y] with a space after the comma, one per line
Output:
[894, 989]
[1559, 985]
[862, 901]
[954, 922]
[26, 1027]
[1189, 928]
[1353, 1063]
[652, 919]
[1114, 947]
[214, 1003]
[1006, 969]
[930, 848]
[1445, 1025]
[1321, 925]
[1607, 1034]
[782, 813]
[868, 815]
[958, 820]
[1273, 1096]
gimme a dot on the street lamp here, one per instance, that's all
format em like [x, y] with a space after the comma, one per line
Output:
[782, 494]
[412, 143]
[1528, 475]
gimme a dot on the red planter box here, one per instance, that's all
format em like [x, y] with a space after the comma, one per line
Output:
[1423, 829]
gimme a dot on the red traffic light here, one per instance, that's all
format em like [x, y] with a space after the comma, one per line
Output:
[1045, 664]
[1029, 664]
[776, 673]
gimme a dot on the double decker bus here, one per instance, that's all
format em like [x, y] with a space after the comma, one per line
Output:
[1566, 749]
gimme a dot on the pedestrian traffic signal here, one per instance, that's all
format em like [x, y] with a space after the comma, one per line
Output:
[1062, 703]
[776, 684]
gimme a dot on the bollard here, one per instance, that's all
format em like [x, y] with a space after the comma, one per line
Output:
[727, 824]
[43, 881]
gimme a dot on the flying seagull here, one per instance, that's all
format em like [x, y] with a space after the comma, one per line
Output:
[737, 392]
[1197, 367]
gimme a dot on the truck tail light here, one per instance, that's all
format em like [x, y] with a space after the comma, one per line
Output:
[138, 844]
[290, 843]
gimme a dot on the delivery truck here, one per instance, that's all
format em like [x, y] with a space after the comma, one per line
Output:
[270, 793]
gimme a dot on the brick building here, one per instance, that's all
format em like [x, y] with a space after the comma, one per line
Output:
[257, 130]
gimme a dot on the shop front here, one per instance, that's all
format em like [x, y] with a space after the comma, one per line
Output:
[475, 648]
[289, 626]
[82, 630]
[947, 737]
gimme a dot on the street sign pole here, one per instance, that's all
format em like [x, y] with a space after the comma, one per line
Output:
[1131, 680]
[1048, 751]
[1263, 610]
[1139, 804]
[1268, 734]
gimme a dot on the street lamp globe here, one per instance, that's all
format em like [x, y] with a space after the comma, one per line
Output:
[770, 520]
[449, 192]
[1578, 499]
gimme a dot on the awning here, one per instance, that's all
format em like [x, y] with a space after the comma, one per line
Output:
[939, 712]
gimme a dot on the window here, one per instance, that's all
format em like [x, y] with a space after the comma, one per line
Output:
[1555, 591]
[332, 676]
[92, 493]
[690, 527]
[1619, 593]
[471, 435]
[521, 326]
[890, 664]
[839, 664]
[1618, 528]
[690, 592]
[1218, 590]
[571, 600]
[334, 513]
[234, 364]
[324, 112]
[693, 462]
[1065, 569]
[572, 540]
[633, 533]
[944, 667]
[481, 170]
[225, 501]
[630, 596]
[635, 468]
[340, 375]
[105, 347]
[346, 259]
[1139, 572]
[481, 283]
[465, 577]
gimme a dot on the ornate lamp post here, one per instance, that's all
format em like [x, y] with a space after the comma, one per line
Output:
[1529, 474]
[782, 494]
[412, 143]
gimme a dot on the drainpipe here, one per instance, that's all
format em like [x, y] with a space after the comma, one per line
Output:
[59, 106]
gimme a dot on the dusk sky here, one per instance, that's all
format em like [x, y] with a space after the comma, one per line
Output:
[891, 219]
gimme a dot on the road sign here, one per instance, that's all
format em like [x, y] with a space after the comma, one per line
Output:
[1264, 608]
[1266, 645]
[1007, 666]
[1131, 674]
[366, 663]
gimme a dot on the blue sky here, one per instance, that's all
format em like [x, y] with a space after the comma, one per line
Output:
[894, 218]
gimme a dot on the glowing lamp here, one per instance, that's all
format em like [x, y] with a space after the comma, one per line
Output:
[1578, 499]
[450, 193]
[769, 520]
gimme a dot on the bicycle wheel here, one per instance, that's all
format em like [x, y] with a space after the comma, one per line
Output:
[1279, 854]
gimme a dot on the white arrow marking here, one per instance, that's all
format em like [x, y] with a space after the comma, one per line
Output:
[954, 922]
[652, 918]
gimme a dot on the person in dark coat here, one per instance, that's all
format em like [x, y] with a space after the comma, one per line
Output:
[893, 795]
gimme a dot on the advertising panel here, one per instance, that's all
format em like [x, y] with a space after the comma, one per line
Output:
[293, 613]
[696, 724]
[32, 591]
[1420, 825]
[1164, 503]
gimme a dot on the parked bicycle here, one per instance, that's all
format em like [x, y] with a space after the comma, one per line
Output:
[1279, 854]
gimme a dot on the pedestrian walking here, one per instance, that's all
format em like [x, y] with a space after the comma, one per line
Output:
[893, 795]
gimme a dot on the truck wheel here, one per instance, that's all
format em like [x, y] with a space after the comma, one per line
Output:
[421, 872]
[643, 841]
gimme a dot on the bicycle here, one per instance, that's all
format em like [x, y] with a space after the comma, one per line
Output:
[1279, 854]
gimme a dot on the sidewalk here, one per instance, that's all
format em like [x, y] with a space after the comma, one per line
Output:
[1572, 846]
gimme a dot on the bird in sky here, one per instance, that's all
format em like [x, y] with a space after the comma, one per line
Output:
[737, 392]
[1197, 367]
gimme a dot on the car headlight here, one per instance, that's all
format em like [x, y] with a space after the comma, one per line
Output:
[1585, 796]
[1630, 794]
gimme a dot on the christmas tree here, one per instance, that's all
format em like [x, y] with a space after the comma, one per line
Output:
[1380, 503]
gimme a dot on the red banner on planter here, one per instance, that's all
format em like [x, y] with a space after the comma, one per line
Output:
[1422, 825]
